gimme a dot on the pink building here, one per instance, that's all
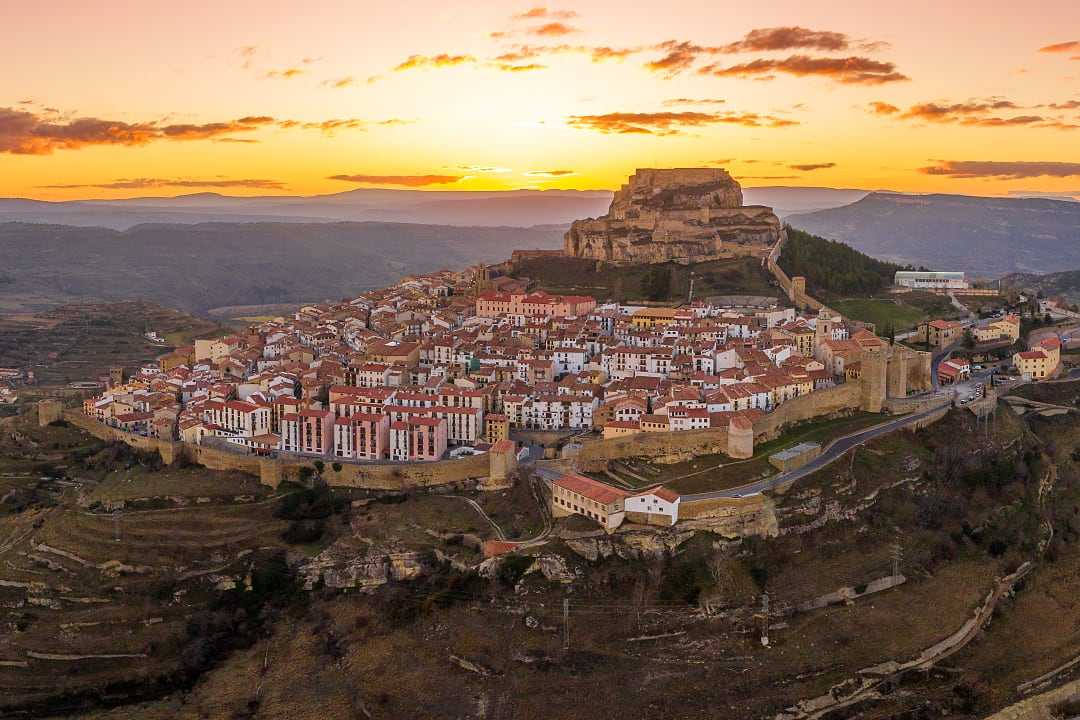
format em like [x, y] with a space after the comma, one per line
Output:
[418, 439]
[308, 432]
[362, 436]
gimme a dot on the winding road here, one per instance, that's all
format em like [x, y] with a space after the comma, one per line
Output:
[831, 454]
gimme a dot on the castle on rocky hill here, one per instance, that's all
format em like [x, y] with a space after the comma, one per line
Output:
[676, 214]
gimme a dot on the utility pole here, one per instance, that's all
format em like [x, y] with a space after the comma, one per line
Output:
[566, 623]
[765, 619]
[897, 554]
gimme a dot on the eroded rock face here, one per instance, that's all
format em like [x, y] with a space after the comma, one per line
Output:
[690, 214]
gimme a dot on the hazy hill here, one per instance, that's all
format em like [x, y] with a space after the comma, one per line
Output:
[519, 208]
[202, 266]
[1065, 283]
[990, 236]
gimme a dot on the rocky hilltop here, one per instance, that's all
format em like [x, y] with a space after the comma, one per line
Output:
[682, 214]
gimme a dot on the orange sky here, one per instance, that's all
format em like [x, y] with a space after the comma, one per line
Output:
[124, 98]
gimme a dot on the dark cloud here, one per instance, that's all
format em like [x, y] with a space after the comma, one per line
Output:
[435, 61]
[849, 70]
[548, 173]
[144, 183]
[670, 123]
[405, 180]
[937, 112]
[788, 38]
[1001, 170]
[807, 167]
[1062, 47]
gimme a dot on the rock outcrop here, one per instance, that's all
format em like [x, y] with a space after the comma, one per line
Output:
[680, 214]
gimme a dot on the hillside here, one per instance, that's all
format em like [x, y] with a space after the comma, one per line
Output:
[203, 266]
[663, 282]
[833, 268]
[988, 236]
[1065, 283]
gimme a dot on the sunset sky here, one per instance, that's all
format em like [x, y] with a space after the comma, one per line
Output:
[134, 97]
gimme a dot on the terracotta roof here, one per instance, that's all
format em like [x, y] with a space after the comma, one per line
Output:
[591, 489]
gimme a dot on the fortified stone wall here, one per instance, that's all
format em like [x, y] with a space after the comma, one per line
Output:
[595, 454]
[820, 403]
[272, 471]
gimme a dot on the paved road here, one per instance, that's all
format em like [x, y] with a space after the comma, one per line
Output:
[831, 454]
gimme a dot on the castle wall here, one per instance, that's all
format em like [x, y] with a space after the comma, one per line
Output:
[820, 403]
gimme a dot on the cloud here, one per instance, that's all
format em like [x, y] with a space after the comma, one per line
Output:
[433, 61]
[1001, 170]
[678, 57]
[788, 38]
[848, 71]
[883, 108]
[538, 13]
[247, 52]
[807, 167]
[510, 67]
[344, 82]
[405, 180]
[681, 55]
[143, 183]
[975, 113]
[485, 169]
[602, 53]
[552, 29]
[285, 74]
[549, 173]
[1062, 47]
[669, 123]
[937, 112]
[23, 132]
[1067, 105]
[693, 101]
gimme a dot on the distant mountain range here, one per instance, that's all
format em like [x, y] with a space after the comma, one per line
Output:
[513, 208]
[201, 266]
[979, 235]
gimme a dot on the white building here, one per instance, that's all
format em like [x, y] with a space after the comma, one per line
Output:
[930, 280]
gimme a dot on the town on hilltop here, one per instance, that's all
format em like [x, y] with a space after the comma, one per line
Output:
[459, 363]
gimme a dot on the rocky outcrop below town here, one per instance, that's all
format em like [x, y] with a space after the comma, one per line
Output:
[676, 214]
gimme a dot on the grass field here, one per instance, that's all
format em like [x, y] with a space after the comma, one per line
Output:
[902, 312]
[719, 472]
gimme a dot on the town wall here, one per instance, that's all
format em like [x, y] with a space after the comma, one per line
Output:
[820, 403]
[272, 471]
[676, 446]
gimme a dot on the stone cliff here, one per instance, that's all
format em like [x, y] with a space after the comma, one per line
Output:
[680, 214]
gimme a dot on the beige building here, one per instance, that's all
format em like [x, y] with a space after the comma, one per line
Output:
[574, 494]
[1040, 361]
[1006, 328]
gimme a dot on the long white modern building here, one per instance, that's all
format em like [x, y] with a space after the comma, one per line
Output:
[930, 280]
